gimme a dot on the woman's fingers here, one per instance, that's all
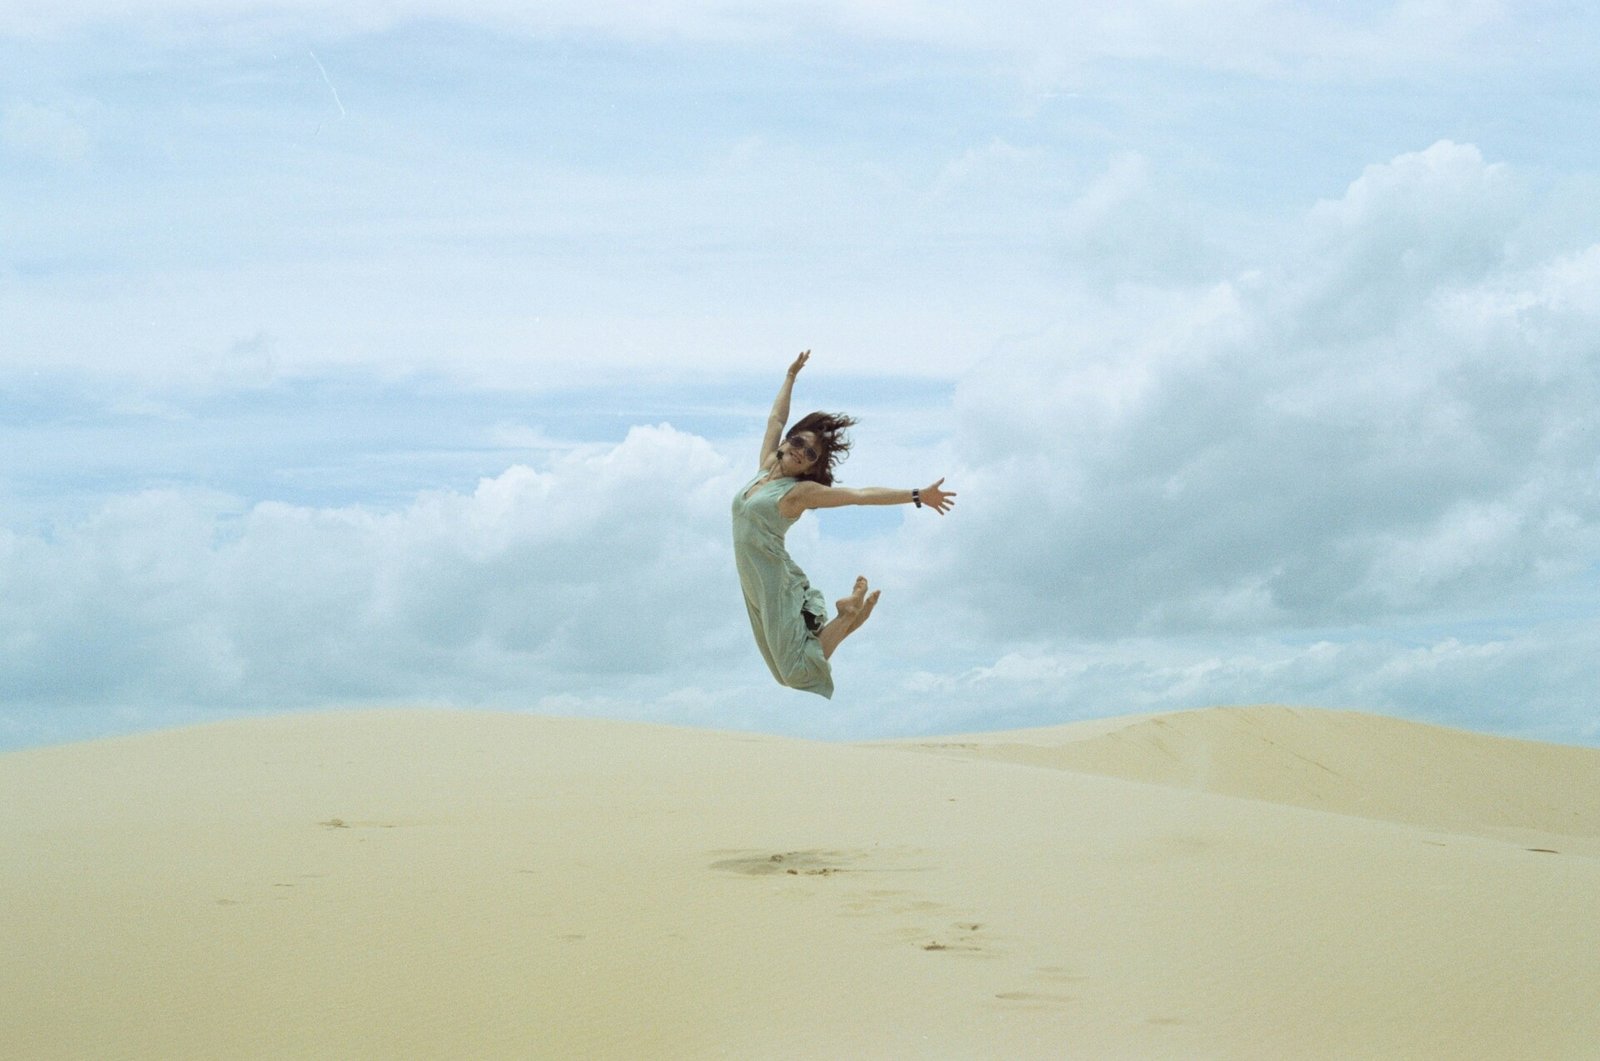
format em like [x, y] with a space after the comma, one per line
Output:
[939, 500]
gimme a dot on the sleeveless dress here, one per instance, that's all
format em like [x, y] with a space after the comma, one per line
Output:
[785, 612]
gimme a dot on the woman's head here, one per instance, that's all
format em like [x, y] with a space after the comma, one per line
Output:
[815, 444]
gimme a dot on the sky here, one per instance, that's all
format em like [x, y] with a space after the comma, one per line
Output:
[413, 353]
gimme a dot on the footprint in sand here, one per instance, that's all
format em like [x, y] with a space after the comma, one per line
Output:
[789, 863]
[964, 937]
[818, 863]
[1035, 999]
[340, 823]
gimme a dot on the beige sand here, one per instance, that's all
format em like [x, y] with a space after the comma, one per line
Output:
[1234, 883]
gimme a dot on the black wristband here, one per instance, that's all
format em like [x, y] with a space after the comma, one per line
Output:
[916, 497]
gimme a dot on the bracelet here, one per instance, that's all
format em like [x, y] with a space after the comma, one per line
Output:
[916, 497]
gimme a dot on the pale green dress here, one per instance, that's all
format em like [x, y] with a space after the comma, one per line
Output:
[776, 592]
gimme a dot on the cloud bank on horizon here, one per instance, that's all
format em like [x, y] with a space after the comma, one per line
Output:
[399, 360]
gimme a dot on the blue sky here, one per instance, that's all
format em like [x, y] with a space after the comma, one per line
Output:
[413, 355]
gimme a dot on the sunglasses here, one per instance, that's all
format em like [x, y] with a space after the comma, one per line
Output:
[810, 454]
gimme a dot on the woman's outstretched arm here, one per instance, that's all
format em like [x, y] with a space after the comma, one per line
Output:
[814, 495]
[780, 409]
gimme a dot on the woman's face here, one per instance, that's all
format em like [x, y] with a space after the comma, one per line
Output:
[797, 453]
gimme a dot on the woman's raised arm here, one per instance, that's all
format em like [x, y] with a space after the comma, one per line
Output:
[780, 409]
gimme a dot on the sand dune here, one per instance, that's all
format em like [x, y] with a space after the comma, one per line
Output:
[1233, 883]
[1344, 762]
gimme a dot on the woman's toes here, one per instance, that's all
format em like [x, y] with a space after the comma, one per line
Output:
[852, 604]
[866, 609]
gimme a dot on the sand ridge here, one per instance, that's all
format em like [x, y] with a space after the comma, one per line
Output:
[456, 884]
[1343, 762]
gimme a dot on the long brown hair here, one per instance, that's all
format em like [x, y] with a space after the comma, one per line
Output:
[832, 444]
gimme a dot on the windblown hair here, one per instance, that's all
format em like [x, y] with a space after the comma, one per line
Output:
[832, 444]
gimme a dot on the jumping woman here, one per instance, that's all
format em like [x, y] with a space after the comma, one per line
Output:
[789, 618]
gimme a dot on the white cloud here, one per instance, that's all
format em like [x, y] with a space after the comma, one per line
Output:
[612, 562]
[1403, 232]
[1392, 422]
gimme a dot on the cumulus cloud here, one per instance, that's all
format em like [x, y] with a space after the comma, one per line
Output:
[1419, 225]
[1392, 422]
[612, 562]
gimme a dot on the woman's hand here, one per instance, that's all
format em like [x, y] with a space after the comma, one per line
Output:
[799, 363]
[941, 501]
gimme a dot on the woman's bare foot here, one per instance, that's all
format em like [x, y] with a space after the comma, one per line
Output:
[850, 615]
[849, 607]
[865, 611]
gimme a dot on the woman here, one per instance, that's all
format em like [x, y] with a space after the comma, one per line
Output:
[788, 616]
